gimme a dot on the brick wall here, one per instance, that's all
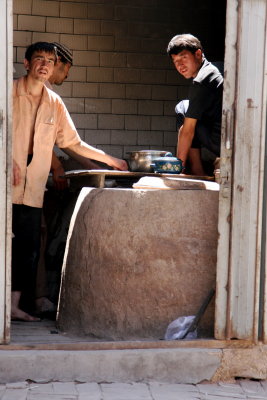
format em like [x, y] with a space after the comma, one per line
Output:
[122, 88]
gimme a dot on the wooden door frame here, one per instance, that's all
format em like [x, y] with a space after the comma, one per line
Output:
[242, 173]
[6, 74]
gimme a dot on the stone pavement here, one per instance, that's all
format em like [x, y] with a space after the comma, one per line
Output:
[241, 389]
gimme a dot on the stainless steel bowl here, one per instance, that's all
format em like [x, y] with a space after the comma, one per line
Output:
[140, 161]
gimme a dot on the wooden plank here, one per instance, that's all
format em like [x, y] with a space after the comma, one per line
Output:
[224, 223]
[5, 157]
[245, 247]
[263, 276]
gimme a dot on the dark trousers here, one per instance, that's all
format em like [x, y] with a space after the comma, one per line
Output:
[26, 227]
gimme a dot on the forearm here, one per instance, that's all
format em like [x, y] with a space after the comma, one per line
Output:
[85, 150]
[184, 143]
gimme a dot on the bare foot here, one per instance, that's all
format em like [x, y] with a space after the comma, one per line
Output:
[18, 315]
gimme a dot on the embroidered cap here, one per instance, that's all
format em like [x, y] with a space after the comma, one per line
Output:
[63, 52]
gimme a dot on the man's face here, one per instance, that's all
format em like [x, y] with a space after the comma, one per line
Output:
[60, 73]
[41, 65]
[187, 64]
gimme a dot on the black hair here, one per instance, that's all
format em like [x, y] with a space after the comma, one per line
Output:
[182, 42]
[40, 46]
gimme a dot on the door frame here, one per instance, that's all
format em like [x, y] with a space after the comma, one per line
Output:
[242, 173]
[6, 77]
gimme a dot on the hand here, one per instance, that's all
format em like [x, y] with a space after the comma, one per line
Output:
[59, 182]
[16, 173]
[119, 164]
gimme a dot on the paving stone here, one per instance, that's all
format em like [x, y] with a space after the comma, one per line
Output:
[41, 388]
[222, 391]
[251, 387]
[17, 385]
[125, 391]
[50, 396]
[173, 391]
[65, 388]
[206, 396]
[230, 387]
[89, 391]
[15, 394]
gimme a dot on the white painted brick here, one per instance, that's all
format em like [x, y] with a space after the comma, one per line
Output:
[124, 106]
[81, 89]
[31, 23]
[160, 92]
[45, 7]
[20, 54]
[74, 105]
[125, 44]
[112, 91]
[128, 13]
[14, 54]
[74, 42]
[152, 46]
[59, 25]
[77, 74]
[93, 136]
[87, 27]
[101, 43]
[161, 61]
[169, 107]
[110, 59]
[45, 37]
[170, 138]
[127, 149]
[150, 138]
[64, 90]
[100, 11]
[98, 106]
[152, 76]
[86, 58]
[126, 75]
[174, 78]
[163, 123]
[20, 70]
[150, 107]
[123, 137]
[110, 121]
[15, 22]
[116, 28]
[22, 38]
[81, 133]
[138, 122]
[84, 121]
[73, 10]
[96, 74]
[115, 151]
[140, 60]
[22, 6]
[138, 92]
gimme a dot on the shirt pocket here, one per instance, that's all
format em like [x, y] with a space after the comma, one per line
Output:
[45, 136]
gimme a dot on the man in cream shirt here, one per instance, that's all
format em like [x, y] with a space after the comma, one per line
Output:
[40, 120]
